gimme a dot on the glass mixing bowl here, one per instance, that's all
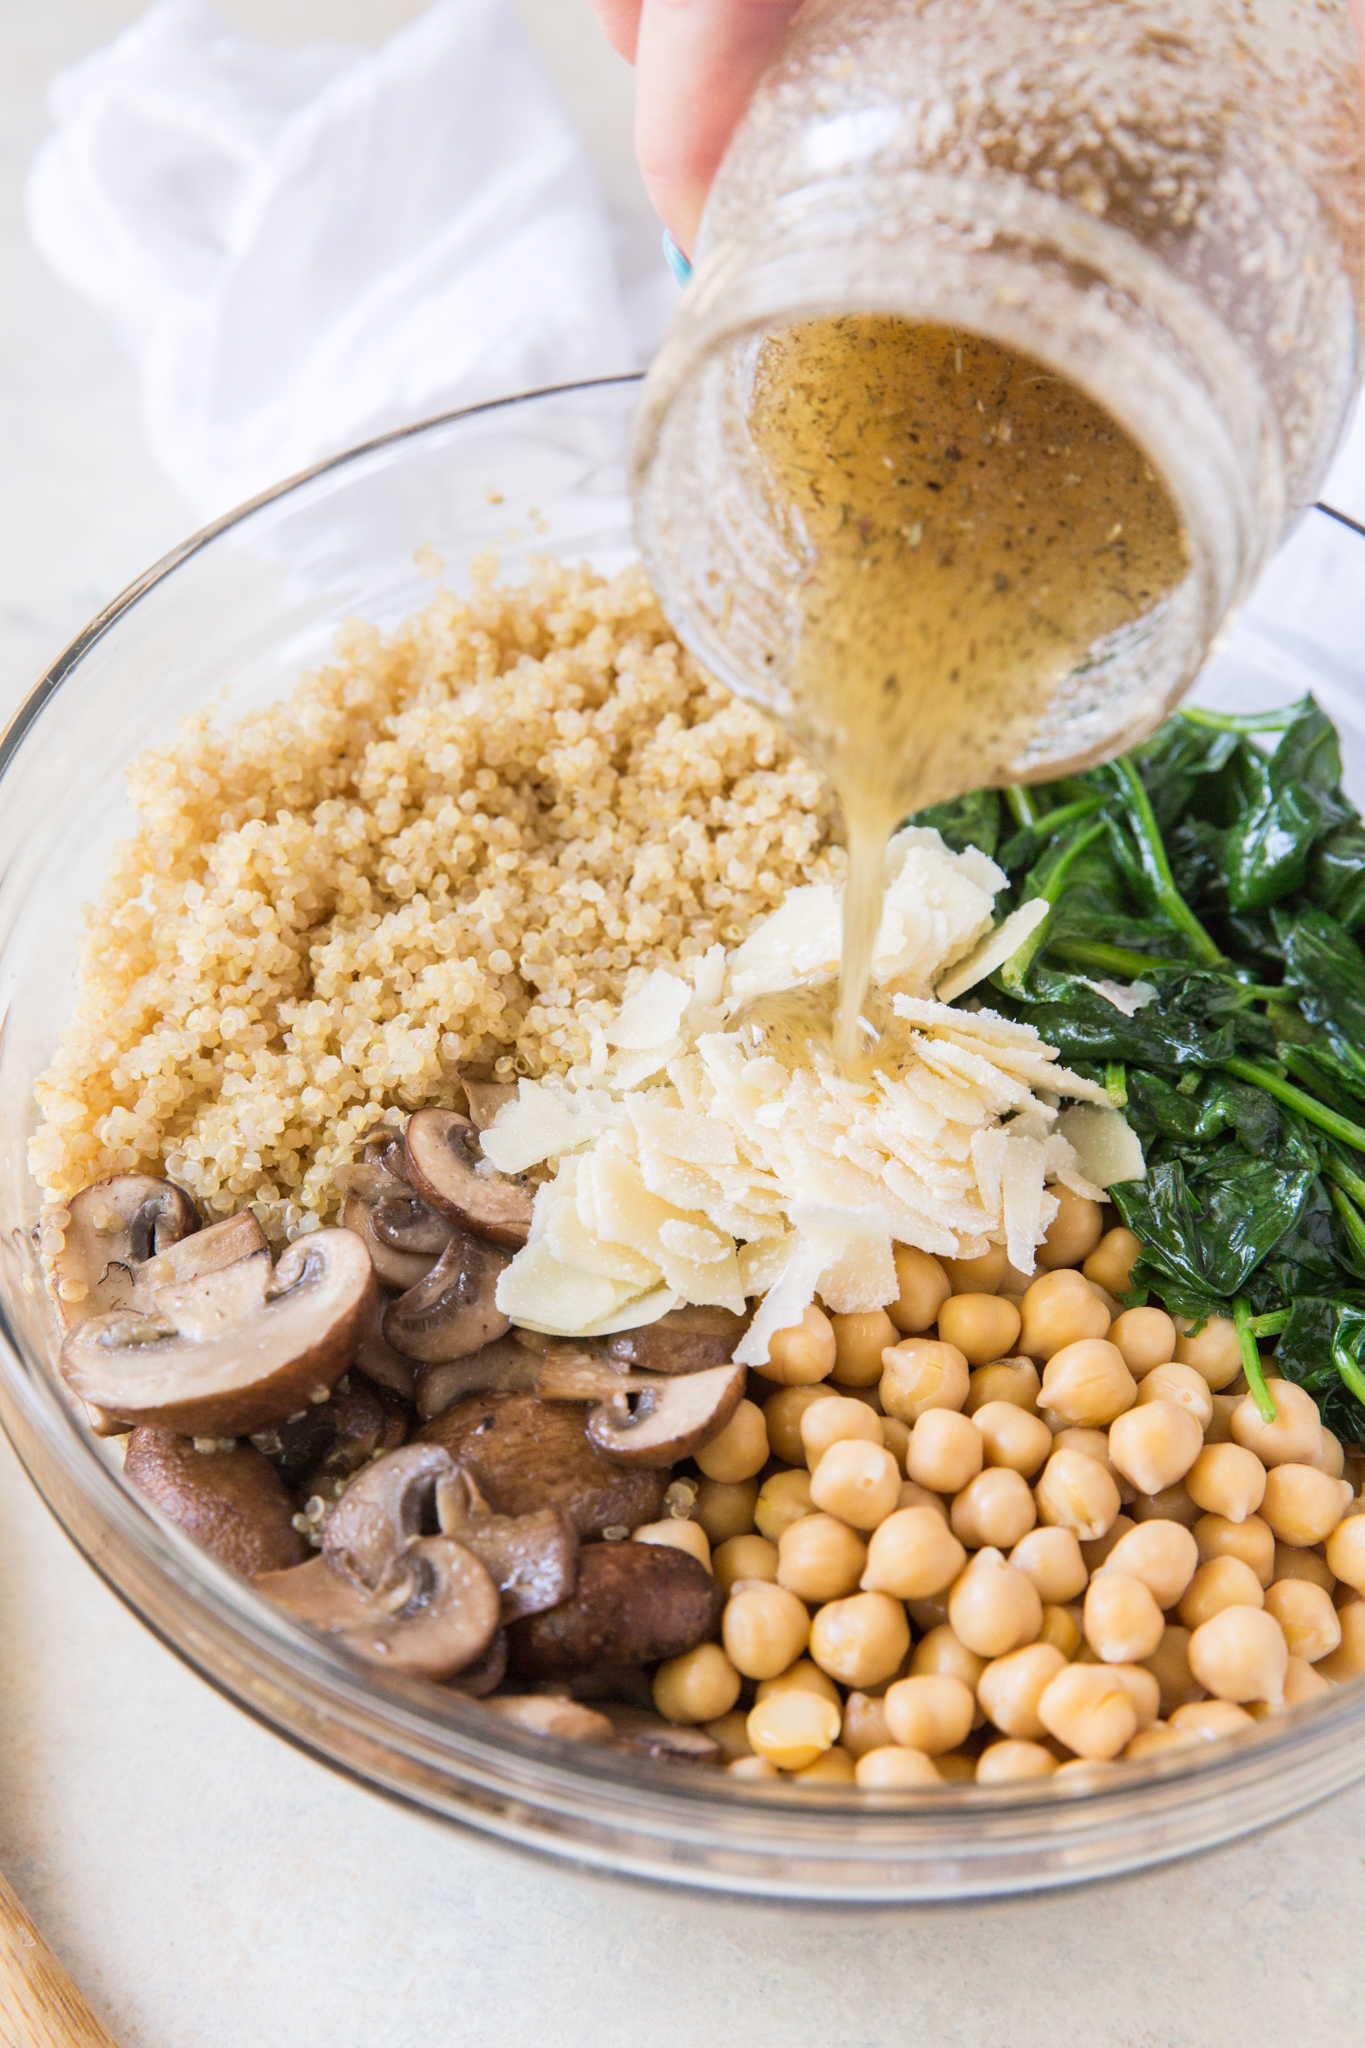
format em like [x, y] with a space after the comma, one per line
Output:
[237, 613]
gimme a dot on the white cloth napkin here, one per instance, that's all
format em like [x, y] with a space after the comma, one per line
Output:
[301, 248]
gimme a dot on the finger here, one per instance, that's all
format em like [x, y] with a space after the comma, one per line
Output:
[697, 63]
[619, 21]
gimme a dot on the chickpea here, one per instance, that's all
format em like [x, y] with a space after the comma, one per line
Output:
[1302, 1682]
[1059, 1309]
[896, 1436]
[996, 1508]
[834, 1420]
[1142, 1689]
[700, 1685]
[676, 1534]
[887, 1770]
[731, 1732]
[1113, 1260]
[802, 1676]
[1302, 1505]
[1062, 1628]
[1346, 1552]
[835, 1767]
[1122, 1620]
[1155, 1445]
[1348, 1659]
[1169, 1664]
[924, 1287]
[1095, 1444]
[1087, 1382]
[1216, 1351]
[1226, 1480]
[1010, 1687]
[820, 1558]
[983, 1326]
[1015, 1380]
[1294, 1437]
[1052, 1559]
[945, 1451]
[1208, 1720]
[1241, 1655]
[1252, 1541]
[933, 1712]
[741, 1449]
[983, 1275]
[1095, 1555]
[725, 1511]
[943, 1650]
[865, 1724]
[1009, 1763]
[785, 1499]
[1171, 1504]
[1164, 1555]
[1075, 1493]
[921, 1374]
[861, 1640]
[1219, 1427]
[1074, 1232]
[992, 1607]
[1181, 1384]
[930, 1612]
[1332, 1457]
[783, 1413]
[1088, 1709]
[1146, 1338]
[1152, 1741]
[764, 1629]
[793, 1728]
[912, 1555]
[858, 1482]
[1291, 1562]
[752, 1766]
[744, 1557]
[1312, 1627]
[913, 1496]
[803, 1354]
[1013, 1438]
[1222, 1582]
[859, 1341]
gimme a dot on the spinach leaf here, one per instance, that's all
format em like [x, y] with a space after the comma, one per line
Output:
[972, 820]
[1336, 875]
[1293, 800]
[1326, 969]
[1211, 1225]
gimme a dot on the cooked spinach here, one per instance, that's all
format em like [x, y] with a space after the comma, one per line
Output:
[1221, 864]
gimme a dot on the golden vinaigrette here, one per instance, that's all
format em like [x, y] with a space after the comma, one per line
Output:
[972, 526]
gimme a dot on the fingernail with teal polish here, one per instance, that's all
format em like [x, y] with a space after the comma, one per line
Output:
[675, 259]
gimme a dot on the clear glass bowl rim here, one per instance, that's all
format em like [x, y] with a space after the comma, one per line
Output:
[607, 1809]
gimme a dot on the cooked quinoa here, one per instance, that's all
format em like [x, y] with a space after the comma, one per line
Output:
[454, 848]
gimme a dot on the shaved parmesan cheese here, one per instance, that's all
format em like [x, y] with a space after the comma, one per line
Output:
[1105, 1143]
[1127, 996]
[994, 950]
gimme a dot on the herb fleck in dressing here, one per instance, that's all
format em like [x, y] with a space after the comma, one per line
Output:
[973, 526]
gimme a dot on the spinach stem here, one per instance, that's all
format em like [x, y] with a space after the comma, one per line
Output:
[1116, 1083]
[1308, 1106]
[1348, 1368]
[1269, 1325]
[1047, 880]
[1345, 1177]
[1118, 959]
[1020, 803]
[1350, 1216]
[1066, 814]
[1242, 721]
[1251, 1359]
[1153, 853]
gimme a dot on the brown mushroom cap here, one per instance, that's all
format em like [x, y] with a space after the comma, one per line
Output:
[485, 1098]
[234, 1350]
[504, 1366]
[453, 1311]
[319, 1448]
[532, 1559]
[378, 1360]
[527, 1454]
[383, 1510]
[685, 1340]
[486, 1673]
[116, 1225]
[633, 1603]
[231, 1503]
[669, 1419]
[436, 1617]
[445, 1163]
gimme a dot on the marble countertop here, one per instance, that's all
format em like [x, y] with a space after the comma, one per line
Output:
[210, 1887]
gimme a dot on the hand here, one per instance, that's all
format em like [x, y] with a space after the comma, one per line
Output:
[697, 63]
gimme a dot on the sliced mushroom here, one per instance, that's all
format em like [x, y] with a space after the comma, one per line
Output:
[532, 1559]
[547, 1714]
[685, 1340]
[378, 1360]
[574, 1372]
[230, 1502]
[445, 1164]
[435, 1616]
[233, 1350]
[528, 1454]
[633, 1603]
[486, 1673]
[650, 1735]
[318, 1450]
[503, 1366]
[404, 1236]
[485, 1098]
[117, 1225]
[221, 1244]
[383, 1510]
[454, 1310]
[669, 1420]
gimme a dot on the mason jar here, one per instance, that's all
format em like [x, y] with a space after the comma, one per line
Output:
[1160, 202]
